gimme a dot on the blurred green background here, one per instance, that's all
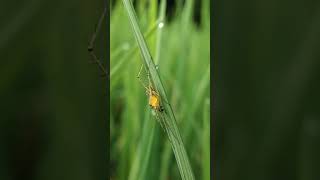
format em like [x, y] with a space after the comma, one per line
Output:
[267, 84]
[181, 51]
[54, 110]
[53, 122]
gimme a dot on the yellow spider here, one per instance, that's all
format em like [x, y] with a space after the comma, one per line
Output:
[155, 104]
[154, 97]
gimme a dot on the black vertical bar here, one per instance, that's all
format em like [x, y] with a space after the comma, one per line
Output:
[107, 20]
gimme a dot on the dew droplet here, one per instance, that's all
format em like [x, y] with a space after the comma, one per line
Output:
[161, 24]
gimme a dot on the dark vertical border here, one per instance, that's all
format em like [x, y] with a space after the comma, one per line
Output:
[212, 95]
[107, 6]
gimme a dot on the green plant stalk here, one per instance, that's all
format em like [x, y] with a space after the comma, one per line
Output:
[141, 161]
[174, 134]
[166, 157]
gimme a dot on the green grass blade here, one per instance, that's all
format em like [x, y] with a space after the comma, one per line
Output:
[174, 134]
[141, 161]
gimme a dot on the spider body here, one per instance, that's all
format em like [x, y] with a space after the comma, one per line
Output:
[154, 99]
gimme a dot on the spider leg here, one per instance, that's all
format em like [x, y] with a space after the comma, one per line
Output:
[166, 127]
[148, 75]
[138, 76]
[94, 58]
[172, 132]
[160, 122]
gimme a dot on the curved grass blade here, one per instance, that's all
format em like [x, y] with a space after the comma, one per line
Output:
[141, 161]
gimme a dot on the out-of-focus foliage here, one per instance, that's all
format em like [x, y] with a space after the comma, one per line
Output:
[53, 123]
[267, 89]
